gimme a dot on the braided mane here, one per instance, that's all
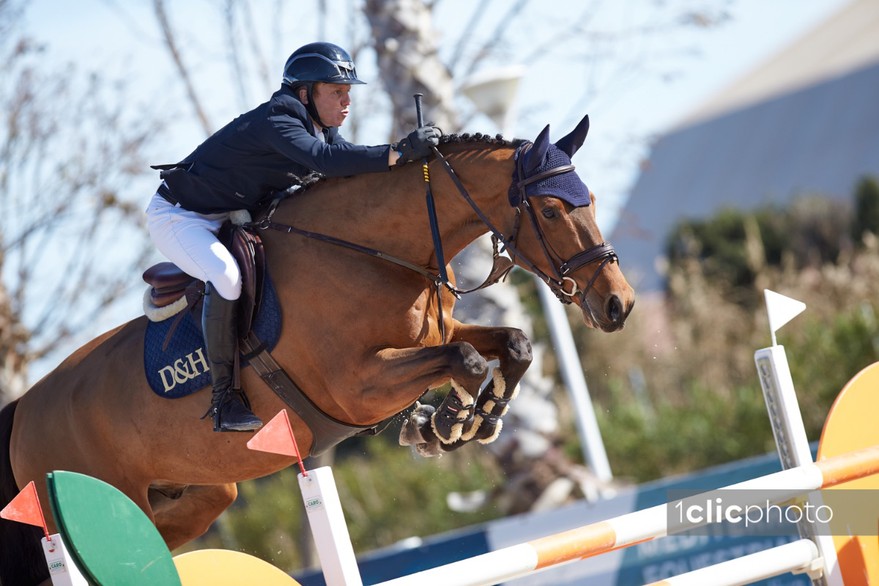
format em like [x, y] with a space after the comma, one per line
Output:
[497, 139]
[312, 179]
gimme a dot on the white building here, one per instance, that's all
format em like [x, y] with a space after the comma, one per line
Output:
[805, 122]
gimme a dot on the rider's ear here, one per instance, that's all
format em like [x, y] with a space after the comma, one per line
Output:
[303, 95]
[535, 157]
[571, 143]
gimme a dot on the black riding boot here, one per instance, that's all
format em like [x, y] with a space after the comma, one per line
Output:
[221, 344]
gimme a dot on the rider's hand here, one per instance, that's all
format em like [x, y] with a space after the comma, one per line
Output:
[418, 144]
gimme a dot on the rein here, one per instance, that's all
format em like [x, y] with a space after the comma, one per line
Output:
[501, 265]
[499, 270]
[604, 252]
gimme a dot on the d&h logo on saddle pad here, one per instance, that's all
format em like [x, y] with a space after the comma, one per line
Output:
[182, 367]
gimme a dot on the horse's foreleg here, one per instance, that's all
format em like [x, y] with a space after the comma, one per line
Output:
[481, 420]
[512, 349]
[182, 519]
[401, 370]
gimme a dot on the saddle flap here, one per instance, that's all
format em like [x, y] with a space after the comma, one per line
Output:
[247, 248]
[163, 299]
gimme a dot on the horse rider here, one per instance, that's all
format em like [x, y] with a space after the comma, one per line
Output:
[241, 166]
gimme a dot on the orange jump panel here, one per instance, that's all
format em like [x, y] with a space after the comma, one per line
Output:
[851, 425]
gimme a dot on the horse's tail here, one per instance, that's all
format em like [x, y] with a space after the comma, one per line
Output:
[21, 556]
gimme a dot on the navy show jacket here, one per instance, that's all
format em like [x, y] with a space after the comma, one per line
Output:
[241, 165]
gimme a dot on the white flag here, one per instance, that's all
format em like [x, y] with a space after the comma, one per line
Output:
[781, 309]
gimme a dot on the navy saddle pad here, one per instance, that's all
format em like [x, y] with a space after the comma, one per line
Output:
[182, 367]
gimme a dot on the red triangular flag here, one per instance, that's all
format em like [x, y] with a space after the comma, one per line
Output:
[25, 508]
[277, 437]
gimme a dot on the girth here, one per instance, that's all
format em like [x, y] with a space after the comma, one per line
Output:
[326, 431]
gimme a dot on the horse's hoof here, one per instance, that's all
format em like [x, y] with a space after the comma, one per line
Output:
[453, 415]
[429, 449]
[453, 446]
[413, 430]
[489, 430]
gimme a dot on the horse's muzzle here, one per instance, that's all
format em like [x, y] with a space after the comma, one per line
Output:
[608, 314]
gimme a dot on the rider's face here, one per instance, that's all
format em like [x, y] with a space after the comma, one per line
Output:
[331, 101]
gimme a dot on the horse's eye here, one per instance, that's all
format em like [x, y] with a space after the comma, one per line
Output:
[549, 212]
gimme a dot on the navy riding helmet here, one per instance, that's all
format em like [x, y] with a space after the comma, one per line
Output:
[319, 62]
[323, 62]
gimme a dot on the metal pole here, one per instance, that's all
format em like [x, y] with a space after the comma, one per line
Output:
[591, 442]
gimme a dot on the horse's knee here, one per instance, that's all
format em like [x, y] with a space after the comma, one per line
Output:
[518, 348]
[468, 367]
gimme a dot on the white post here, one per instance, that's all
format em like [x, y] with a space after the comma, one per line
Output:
[328, 528]
[786, 419]
[62, 570]
[591, 442]
[783, 407]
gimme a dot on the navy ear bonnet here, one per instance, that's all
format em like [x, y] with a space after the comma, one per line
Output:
[565, 186]
[541, 158]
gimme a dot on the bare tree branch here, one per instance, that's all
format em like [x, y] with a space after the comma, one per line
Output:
[494, 39]
[171, 44]
[251, 31]
[62, 211]
[409, 61]
[233, 52]
[467, 33]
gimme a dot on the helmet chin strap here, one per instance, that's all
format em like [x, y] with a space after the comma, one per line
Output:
[309, 106]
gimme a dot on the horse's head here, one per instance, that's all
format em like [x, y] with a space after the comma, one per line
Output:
[557, 236]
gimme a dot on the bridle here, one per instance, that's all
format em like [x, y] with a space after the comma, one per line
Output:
[603, 252]
[561, 270]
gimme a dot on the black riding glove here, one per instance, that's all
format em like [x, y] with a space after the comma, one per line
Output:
[417, 144]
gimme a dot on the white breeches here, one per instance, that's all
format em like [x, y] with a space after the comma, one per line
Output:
[189, 240]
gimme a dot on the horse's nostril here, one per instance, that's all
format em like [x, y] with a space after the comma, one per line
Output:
[614, 309]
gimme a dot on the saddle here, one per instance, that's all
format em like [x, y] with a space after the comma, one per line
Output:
[169, 285]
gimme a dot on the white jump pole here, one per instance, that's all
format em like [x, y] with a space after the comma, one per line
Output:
[633, 528]
[787, 421]
[322, 504]
[328, 527]
[62, 570]
[800, 476]
[797, 557]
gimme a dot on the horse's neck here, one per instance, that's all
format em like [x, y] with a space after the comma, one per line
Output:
[485, 176]
[388, 211]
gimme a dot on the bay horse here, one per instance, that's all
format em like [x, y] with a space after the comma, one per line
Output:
[362, 337]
